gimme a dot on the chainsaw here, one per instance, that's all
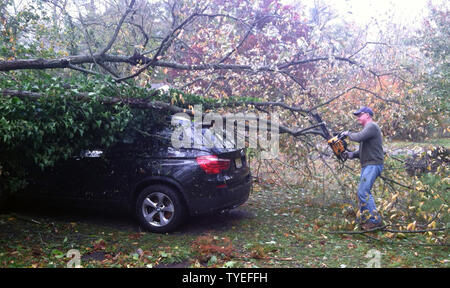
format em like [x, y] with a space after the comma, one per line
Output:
[336, 142]
[339, 146]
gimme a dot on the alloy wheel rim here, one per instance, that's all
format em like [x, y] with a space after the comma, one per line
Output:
[158, 209]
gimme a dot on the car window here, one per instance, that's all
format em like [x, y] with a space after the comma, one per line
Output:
[207, 137]
[161, 136]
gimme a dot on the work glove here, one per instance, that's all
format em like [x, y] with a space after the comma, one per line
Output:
[348, 154]
[345, 133]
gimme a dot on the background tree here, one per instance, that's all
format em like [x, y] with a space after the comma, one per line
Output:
[433, 41]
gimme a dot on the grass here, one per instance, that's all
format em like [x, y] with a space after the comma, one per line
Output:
[434, 142]
[275, 228]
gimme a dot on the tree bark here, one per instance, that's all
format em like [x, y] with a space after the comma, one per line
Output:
[65, 62]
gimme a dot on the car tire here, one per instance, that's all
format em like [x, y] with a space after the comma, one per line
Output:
[160, 209]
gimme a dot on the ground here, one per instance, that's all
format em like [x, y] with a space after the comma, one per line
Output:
[275, 228]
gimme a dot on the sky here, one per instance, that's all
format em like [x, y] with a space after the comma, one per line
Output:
[403, 12]
[377, 15]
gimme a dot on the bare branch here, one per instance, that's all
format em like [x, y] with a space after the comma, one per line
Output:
[279, 104]
[379, 97]
[285, 72]
[249, 31]
[416, 231]
[350, 89]
[141, 28]
[81, 69]
[226, 16]
[365, 45]
[119, 25]
[240, 43]
[109, 70]
[87, 39]
[161, 50]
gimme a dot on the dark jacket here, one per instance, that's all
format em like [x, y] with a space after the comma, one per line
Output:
[370, 145]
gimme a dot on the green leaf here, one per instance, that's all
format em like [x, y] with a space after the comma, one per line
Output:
[230, 264]
[58, 254]
[212, 260]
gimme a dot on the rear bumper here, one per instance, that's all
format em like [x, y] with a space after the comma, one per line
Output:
[222, 198]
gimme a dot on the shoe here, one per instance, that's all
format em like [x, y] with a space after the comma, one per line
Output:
[371, 226]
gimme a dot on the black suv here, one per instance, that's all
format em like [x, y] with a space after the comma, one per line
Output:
[161, 185]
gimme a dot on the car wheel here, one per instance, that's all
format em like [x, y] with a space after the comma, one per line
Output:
[160, 209]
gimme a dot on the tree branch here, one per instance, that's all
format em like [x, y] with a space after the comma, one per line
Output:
[279, 104]
[161, 50]
[249, 31]
[119, 25]
[365, 45]
[143, 104]
[20, 64]
[383, 228]
[81, 69]
[141, 28]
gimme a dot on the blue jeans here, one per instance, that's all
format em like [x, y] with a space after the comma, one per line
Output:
[367, 206]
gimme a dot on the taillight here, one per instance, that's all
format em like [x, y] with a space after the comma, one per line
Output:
[211, 164]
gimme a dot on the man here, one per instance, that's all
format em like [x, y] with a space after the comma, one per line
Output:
[371, 156]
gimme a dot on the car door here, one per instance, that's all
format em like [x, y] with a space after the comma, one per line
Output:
[78, 177]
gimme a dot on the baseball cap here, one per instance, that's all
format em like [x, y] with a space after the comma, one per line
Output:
[364, 109]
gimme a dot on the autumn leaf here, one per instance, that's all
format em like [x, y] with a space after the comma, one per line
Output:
[99, 245]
